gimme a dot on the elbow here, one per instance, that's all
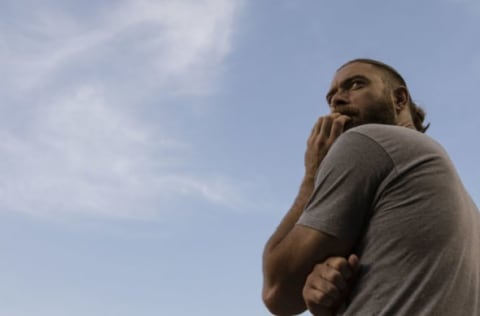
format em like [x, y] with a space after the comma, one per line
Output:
[271, 302]
[280, 306]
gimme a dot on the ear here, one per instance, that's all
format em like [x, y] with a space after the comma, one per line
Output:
[401, 98]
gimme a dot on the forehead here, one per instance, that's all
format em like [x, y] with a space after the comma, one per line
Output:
[357, 69]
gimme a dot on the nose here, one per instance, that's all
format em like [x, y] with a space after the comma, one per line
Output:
[338, 99]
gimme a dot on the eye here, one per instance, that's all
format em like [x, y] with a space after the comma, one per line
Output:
[355, 84]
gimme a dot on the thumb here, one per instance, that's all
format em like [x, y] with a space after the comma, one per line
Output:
[354, 262]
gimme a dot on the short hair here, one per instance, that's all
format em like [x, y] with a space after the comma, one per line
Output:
[418, 114]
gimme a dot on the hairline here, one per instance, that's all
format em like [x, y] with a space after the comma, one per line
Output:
[389, 74]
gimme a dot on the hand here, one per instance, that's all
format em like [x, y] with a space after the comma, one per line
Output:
[325, 131]
[327, 284]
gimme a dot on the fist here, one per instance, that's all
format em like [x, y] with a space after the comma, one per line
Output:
[327, 284]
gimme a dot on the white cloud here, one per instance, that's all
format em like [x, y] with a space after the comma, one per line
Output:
[161, 42]
[73, 83]
[82, 157]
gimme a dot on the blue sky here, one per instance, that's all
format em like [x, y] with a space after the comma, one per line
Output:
[149, 148]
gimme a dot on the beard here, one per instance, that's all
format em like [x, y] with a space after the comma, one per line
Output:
[381, 111]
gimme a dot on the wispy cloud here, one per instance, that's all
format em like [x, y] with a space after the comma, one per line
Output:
[72, 141]
[172, 43]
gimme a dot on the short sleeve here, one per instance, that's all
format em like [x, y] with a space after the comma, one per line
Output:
[346, 185]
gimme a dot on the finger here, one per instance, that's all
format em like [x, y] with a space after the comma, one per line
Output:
[340, 264]
[334, 115]
[325, 129]
[328, 288]
[336, 278]
[354, 262]
[326, 284]
[326, 275]
[315, 130]
[313, 296]
[338, 126]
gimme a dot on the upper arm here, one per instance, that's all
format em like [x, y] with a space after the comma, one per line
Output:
[308, 246]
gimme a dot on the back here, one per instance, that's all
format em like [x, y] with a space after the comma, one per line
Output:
[416, 230]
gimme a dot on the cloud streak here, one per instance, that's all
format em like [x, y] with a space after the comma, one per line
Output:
[75, 87]
[162, 40]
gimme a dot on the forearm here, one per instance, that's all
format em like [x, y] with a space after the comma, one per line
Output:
[292, 216]
[275, 264]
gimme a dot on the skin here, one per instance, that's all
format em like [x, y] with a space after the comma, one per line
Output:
[295, 266]
[328, 284]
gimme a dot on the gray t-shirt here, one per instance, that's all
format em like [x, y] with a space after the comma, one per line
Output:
[394, 194]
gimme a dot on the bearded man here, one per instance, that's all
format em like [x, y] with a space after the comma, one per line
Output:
[382, 224]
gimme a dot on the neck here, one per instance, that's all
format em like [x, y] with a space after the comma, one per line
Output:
[405, 119]
[407, 124]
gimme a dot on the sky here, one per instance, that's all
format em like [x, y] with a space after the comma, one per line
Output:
[150, 148]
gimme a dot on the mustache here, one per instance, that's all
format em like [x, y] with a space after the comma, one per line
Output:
[346, 110]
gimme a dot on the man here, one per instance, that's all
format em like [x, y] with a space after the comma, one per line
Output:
[380, 209]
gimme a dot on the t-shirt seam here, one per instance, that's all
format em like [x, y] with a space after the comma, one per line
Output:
[394, 165]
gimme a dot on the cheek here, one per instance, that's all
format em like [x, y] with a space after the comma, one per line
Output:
[373, 101]
[373, 108]
[363, 98]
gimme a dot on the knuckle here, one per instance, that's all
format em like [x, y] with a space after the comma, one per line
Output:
[338, 122]
[343, 267]
[338, 262]
[316, 297]
[322, 270]
[336, 277]
[322, 141]
[306, 292]
[318, 266]
[310, 280]
[331, 260]
[332, 291]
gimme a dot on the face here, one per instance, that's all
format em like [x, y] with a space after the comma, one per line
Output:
[359, 92]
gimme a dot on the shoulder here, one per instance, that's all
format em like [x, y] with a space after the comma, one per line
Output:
[404, 146]
[394, 138]
[382, 130]
[367, 136]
